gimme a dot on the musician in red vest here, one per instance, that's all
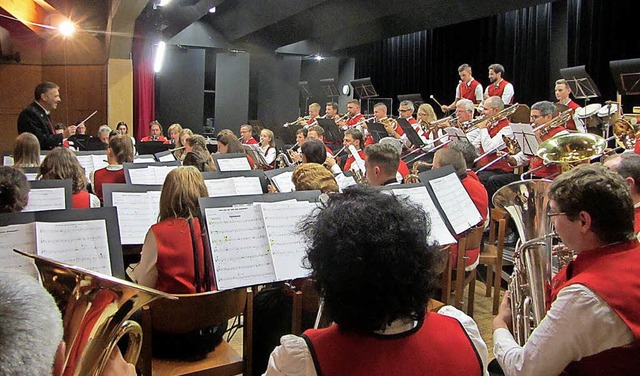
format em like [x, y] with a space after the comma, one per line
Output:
[246, 135]
[353, 137]
[375, 287]
[35, 118]
[331, 111]
[592, 326]
[354, 117]
[628, 166]
[468, 88]
[383, 165]
[120, 151]
[499, 87]
[562, 91]
[62, 164]
[541, 113]
[490, 143]
[155, 133]
[314, 113]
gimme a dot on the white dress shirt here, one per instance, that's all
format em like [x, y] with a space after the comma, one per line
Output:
[293, 357]
[478, 92]
[507, 93]
[579, 324]
[489, 143]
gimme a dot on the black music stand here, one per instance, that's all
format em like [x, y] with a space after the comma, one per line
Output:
[152, 147]
[331, 132]
[377, 131]
[415, 98]
[304, 90]
[580, 82]
[364, 88]
[626, 75]
[411, 133]
[330, 88]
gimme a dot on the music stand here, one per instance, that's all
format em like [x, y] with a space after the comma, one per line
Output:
[626, 75]
[364, 88]
[377, 131]
[331, 131]
[415, 98]
[152, 147]
[526, 138]
[304, 90]
[330, 88]
[411, 133]
[580, 82]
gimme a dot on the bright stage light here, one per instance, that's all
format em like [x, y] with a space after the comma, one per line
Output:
[157, 64]
[319, 57]
[67, 28]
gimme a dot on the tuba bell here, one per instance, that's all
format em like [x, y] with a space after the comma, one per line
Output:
[95, 310]
[572, 149]
[527, 203]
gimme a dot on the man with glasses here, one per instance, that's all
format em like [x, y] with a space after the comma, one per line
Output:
[592, 326]
[405, 111]
[541, 113]
[246, 135]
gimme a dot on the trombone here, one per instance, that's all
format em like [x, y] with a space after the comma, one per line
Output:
[468, 126]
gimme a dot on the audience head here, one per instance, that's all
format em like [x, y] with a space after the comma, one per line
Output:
[313, 176]
[313, 151]
[27, 151]
[449, 156]
[120, 149]
[381, 163]
[348, 268]
[180, 193]
[591, 199]
[62, 164]
[30, 326]
[14, 192]
[469, 152]
[48, 95]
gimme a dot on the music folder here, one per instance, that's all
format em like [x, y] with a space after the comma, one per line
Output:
[331, 131]
[255, 239]
[411, 133]
[281, 178]
[148, 173]
[377, 131]
[232, 162]
[49, 195]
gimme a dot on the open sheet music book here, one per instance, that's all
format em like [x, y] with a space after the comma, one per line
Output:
[49, 195]
[138, 209]
[92, 162]
[257, 243]
[153, 174]
[281, 178]
[237, 185]
[86, 239]
[232, 162]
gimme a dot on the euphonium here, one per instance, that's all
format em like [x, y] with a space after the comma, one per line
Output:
[571, 149]
[95, 308]
[625, 134]
[527, 203]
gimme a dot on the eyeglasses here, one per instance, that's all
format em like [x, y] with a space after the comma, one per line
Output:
[551, 215]
[405, 110]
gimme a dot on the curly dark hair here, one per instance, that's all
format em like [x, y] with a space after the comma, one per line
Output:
[14, 190]
[369, 255]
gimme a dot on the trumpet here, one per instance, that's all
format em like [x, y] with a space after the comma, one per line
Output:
[298, 121]
[437, 124]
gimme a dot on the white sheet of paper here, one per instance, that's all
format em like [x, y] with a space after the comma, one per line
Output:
[161, 172]
[221, 187]
[455, 202]
[23, 238]
[283, 182]
[344, 181]
[234, 164]
[32, 176]
[167, 158]
[240, 258]
[81, 243]
[7, 160]
[288, 248]
[99, 161]
[86, 161]
[144, 159]
[142, 176]
[45, 199]
[439, 231]
[137, 212]
[247, 185]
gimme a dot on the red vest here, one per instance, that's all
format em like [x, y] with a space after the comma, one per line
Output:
[81, 200]
[440, 346]
[502, 165]
[175, 262]
[497, 90]
[252, 141]
[636, 218]
[351, 159]
[571, 124]
[354, 120]
[403, 169]
[536, 161]
[612, 273]
[469, 91]
[160, 138]
[480, 199]
[104, 176]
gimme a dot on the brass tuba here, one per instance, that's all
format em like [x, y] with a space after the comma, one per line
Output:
[572, 149]
[527, 203]
[95, 308]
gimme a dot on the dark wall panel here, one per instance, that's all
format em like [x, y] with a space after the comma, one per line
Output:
[180, 89]
[275, 88]
[232, 90]
[313, 71]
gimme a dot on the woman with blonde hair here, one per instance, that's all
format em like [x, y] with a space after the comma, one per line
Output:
[314, 176]
[27, 151]
[268, 147]
[197, 154]
[120, 151]
[174, 133]
[426, 115]
[179, 151]
[62, 164]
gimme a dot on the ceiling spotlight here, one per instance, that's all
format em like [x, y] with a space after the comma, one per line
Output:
[212, 10]
[67, 28]
[319, 58]
[163, 2]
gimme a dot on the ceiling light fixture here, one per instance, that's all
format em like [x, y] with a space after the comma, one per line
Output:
[67, 28]
[160, 50]
[212, 10]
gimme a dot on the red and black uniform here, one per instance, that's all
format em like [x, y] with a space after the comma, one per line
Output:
[571, 124]
[106, 176]
[160, 138]
[468, 91]
[497, 90]
[354, 120]
[636, 218]
[439, 345]
[175, 262]
[502, 165]
[612, 273]
[81, 200]
[351, 159]
[536, 161]
[480, 198]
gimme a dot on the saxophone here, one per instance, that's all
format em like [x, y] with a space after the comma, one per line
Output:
[413, 176]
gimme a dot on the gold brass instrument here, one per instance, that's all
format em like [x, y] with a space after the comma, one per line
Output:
[390, 124]
[95, 310]
[527, 203]
[513, 148]
[468, 126]
[572, 149]
[413, 176]
[444, 122]
[625, 134]
[557, 121]
[298, 121]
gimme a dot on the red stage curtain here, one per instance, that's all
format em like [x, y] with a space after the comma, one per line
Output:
[144, 110]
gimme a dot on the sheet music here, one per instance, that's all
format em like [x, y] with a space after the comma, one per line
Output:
[439, 231]
[142, 176]
[86, 161]
[221, 187]
[99, 161]
[81, 243]
[161, 172]
[167, 158]
[7, 160]
[455, 203]
[32, 176]
[240, 258]
[247, 185]
[283, 182]
[233, 164]
[23, 238]
[144, 159]
[288, 248]
[137, 212]
[45, 199]
[344, 181]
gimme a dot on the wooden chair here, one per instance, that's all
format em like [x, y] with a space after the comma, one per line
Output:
[522, 114]
[471, 240]
[491, 256]
[191, 312]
